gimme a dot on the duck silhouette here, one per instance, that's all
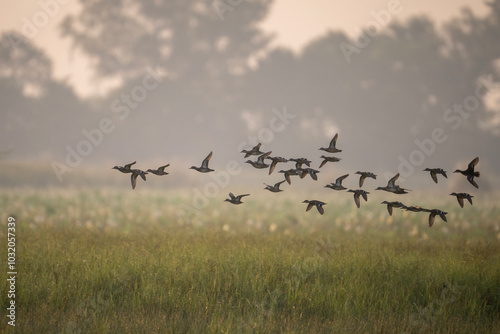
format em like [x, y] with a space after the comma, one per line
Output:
[204, 165]
[434, 213]
[461, 197]
[470, 172]
[260, 164]
[159, 171]
[301, 161]
[135, 174]
[414, 208]
[357, 193]
[235, 199]
[274, 162]
[254, 151]
[364, 175]
[434, 172]
[289, 173]
[318, 204]
[275, 188]
[338, 183]
[312, 172]
[332, 148]
[328, 159]
[126, 168]
[391, 205]
[393, 187]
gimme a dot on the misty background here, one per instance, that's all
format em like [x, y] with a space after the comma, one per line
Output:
[223, 83]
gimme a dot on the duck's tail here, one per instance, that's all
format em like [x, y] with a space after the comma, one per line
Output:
[477, 174]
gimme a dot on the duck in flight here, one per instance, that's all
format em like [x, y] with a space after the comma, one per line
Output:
[392, 187]
[275, 188]
[312, 172]
[364, 175]
[289, 173]
[135, 174]
[434, 213]
[461, 197]
[328, 159]
[254, 151]
[235, 199]
[414, 208]
[357, 193]
[338, 183]
[391, 205]
[159, 171]
[332, 148]
[470, 172]
[126, 168]
[301, 161]
[318, 204]
[204, 165]
[260, 161]
[434, 172]
[274, 162]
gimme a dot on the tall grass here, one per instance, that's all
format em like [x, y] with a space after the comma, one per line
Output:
[102, 261]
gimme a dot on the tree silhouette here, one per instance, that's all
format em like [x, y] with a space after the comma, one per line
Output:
[26, 65]
[203, 55]
[39, 115]
[474, 45]
[222, 75]
[185, 37]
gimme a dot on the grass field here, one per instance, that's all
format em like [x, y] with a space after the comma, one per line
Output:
[113, 261]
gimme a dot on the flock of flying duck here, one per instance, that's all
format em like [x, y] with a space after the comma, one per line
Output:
[302, 172]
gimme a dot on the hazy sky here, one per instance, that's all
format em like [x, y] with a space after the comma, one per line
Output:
[295, 22]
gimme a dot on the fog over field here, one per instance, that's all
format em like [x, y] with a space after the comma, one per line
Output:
[95, 93]
[189, 77]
